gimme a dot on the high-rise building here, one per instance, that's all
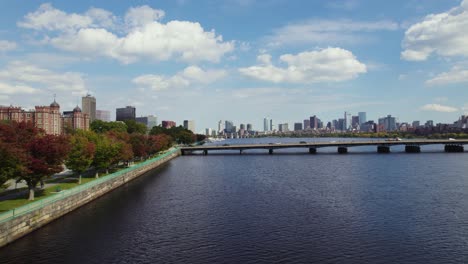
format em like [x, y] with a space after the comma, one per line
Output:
[416, 124]
[314, 121]
[127, 113]
[168, 124]
[208, 132]
[342, 124]
[362, 117]
[103, 115]
[429, 123]
[88, 105]
[388, 123]
[249, 127]
[228, 127]
[190, 125]
[271, 124]
[149, 121]
[266, 125]
[347, 121]
[242, 126]
[297, 126]
[306, 124]
[220, 126]
[355, 122]
[283, 127]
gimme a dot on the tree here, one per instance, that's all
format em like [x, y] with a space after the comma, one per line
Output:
[135, 127]
[104, 154]
[81, 154]
[139, 145]
[99, 126]
[45, 156]
[11, 162]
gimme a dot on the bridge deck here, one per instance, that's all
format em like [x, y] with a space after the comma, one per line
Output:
[417, 142]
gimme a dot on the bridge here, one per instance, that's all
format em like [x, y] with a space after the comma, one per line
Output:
[383, 146]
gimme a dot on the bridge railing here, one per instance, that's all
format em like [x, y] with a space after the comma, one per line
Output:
[19, 211]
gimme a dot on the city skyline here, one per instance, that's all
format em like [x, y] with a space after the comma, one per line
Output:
[361, 56]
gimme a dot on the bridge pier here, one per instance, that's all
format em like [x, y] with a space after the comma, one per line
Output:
[383, 149]
[270, 151]
[342, 150]
[240, 151]
[182, 153]
[205, 152]
[454, 148]
[312, 150]
[412, 149]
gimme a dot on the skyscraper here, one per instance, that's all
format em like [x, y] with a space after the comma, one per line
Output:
[297, 126]
[127, 113]
[347, 121]
[362, 117]
[306, 124]
[314, 122]
[266, 125]
[271, 124]
[249, 127]
[88, 105]
[103, 115]
[190, 125]
[229, 126]
[220, 126]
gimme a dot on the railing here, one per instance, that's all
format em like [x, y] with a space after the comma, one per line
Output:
[16, 212]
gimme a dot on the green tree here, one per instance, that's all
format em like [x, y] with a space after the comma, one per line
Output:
[99, 126]
[105, 154]
[135, 127]
[81, 155]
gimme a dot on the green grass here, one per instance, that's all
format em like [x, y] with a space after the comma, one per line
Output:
[22, 199]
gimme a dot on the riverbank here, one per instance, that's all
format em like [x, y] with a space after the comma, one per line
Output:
[25, 219]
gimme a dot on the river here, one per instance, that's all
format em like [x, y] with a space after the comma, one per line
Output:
[289, 207]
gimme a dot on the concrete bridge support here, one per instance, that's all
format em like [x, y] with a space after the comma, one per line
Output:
[312, 150]
[342, 150]
[240, 151]
[454, 148]
[412, 149]
[270, 151]
[205, 152]
[383, 149]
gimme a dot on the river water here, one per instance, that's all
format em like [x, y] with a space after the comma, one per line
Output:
[290, 207]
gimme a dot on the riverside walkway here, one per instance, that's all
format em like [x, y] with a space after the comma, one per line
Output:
[383, 146]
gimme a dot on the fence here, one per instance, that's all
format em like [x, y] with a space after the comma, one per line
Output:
[8, 215]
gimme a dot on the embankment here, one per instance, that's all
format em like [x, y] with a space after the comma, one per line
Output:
[25, 219]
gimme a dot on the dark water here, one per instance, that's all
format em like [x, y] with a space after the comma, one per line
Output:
[290, 207]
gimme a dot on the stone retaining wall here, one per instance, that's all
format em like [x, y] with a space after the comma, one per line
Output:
[24, 224]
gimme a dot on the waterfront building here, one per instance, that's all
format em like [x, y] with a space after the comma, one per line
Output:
[168, 124]
[242, 126]
[355, 122]
[342, 124]
[266, 124]
[88, 105]
[362, 117]
[208, 132]
[47, 118]
[190, 125]
[297, 126]
[429, 123]
[229, 127]
[271, 124]
[220, 126]
[103, 115]
[306, 124]
[347, 121]
[127, 113]
[75, 119]
[249, 127]
[283, 127]
[314, 122]
[388, 123]
[416, 124]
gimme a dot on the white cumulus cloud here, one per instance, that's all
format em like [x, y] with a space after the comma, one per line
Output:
[189, 76]
[326, 65]
[455, 75]
[443, 34]
[141, 35]
[20, 77]
[439, 108]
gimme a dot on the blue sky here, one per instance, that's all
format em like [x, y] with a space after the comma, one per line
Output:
[239, 60]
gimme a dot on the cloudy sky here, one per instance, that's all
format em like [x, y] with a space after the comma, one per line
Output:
[240, 60]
